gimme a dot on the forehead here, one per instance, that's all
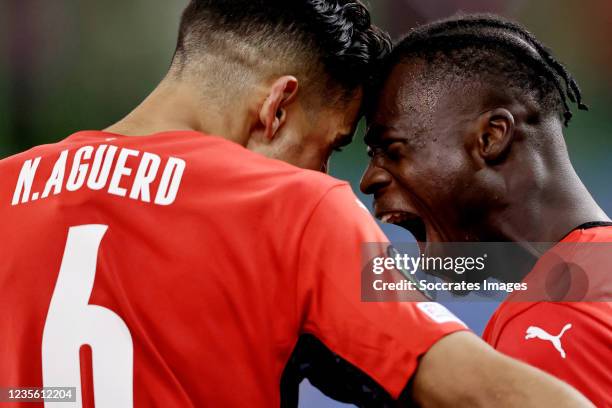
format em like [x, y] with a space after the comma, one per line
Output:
[409, 93]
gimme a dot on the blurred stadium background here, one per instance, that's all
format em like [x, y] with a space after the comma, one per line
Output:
[69, 65]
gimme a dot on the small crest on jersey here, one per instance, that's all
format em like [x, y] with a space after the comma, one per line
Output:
[438, 313]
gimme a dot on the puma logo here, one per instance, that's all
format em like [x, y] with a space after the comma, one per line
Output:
[534, 332]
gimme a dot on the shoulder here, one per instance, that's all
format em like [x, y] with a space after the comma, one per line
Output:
[514, 323]
[553, 312]
[276, 189]
[569, 340]
[235, 161]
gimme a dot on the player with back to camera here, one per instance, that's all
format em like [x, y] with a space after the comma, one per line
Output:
[154, 264]
[466, 144]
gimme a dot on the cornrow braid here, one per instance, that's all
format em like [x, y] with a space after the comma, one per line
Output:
[493, 32]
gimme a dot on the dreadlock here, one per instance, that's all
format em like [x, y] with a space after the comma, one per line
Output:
[473, 41]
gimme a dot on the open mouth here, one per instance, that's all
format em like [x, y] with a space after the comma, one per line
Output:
[408, 221]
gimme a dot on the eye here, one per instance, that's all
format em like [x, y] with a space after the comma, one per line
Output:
[374, 151]
[394, 147]
[391, 149]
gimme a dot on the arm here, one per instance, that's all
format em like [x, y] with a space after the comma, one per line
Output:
[392, 342]
[463, 371]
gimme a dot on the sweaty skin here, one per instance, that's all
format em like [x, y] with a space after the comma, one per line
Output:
[476, 165]
[471, 165]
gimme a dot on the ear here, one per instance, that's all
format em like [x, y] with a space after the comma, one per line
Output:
[273, 113]
[495, 134]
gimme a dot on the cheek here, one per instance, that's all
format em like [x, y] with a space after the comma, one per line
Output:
[433, 183]
[310, 156]
[319, 159]
[317, 150]
[447, 186]
[419, 183]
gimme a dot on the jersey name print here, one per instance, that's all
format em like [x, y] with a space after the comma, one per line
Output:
[95, 168]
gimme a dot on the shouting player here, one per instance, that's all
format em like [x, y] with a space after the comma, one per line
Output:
[176, 259]
[466, 144]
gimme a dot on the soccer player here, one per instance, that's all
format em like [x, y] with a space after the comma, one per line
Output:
[466, 144]
[179, 257]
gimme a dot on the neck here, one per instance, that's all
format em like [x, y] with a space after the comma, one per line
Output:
[177, 105]
[542, 219]
[549, 213]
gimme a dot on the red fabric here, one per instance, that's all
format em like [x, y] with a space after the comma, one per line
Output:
[215, 287]
[587, 344]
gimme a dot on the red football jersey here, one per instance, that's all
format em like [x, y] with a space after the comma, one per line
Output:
[179, 270]
[570, 340]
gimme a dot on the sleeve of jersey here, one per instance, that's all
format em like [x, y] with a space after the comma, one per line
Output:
[382, 339]
[568, 340]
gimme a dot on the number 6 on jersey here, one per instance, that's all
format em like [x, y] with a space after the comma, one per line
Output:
[72, 322]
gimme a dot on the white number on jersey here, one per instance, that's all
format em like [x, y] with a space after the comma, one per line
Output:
[73, 322]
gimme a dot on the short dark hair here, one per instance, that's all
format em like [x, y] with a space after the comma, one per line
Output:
[486, 46]
[335, 35]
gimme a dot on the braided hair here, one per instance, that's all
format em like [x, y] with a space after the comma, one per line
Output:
[487, 45]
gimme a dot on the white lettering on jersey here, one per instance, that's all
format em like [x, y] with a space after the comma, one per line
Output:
[146, 174]
[170, 182]
[57, 176]
[79, 171]
[101, 167]
[534, 332]
[24, 182]
[92, 167]
[120, 171]
[438, 313]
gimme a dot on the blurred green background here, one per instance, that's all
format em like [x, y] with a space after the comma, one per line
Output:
[69, 65]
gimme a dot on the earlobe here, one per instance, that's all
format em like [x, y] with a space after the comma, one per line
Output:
[496, 134]
[273, 112]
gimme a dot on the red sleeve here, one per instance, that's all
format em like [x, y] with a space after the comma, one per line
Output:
[572, 341]
[382, 339]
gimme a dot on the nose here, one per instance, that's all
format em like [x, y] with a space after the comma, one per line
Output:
[374, 179]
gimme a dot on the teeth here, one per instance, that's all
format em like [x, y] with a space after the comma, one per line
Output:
[385, 218]
[394, 218]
